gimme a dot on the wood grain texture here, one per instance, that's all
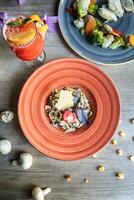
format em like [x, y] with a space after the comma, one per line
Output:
[16, 184]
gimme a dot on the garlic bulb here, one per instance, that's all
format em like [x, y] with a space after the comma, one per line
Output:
[39, 194]
[6, 116]
[25, 161]
[5, 146]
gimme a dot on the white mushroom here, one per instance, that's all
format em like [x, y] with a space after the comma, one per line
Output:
[5, 146]
[25, 161]
[39, 194]
[6, 116]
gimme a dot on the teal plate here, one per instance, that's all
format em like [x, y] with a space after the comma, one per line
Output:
[90, 52]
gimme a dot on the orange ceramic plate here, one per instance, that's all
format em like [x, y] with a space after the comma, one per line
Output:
[98, 88]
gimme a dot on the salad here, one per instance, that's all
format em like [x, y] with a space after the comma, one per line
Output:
[68, 109]
[90, 18]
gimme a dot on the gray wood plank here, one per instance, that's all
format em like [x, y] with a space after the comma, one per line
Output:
[31, 6]
[15, 184]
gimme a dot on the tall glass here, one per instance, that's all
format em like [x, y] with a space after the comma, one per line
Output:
[26, 41]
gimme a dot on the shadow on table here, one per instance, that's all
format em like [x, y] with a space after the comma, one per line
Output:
[19, 80]
[60, 34]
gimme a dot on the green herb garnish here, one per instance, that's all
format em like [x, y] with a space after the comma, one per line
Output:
[26, 20]
[13, 23]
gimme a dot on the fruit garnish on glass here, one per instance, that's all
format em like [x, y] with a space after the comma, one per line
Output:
[25, 36]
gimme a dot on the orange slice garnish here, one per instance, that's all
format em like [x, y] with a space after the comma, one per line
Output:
[22, 35]
[39, 24]
[35, 18]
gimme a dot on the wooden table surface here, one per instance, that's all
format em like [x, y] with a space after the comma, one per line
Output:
[16, 184]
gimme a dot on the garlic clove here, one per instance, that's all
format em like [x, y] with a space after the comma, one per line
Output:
[5, 147]
[47, 191]
[6, 116]
[26, 160]
[39, 194]
[15, 162]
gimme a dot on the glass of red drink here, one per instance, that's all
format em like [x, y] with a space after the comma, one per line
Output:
[25, 37]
